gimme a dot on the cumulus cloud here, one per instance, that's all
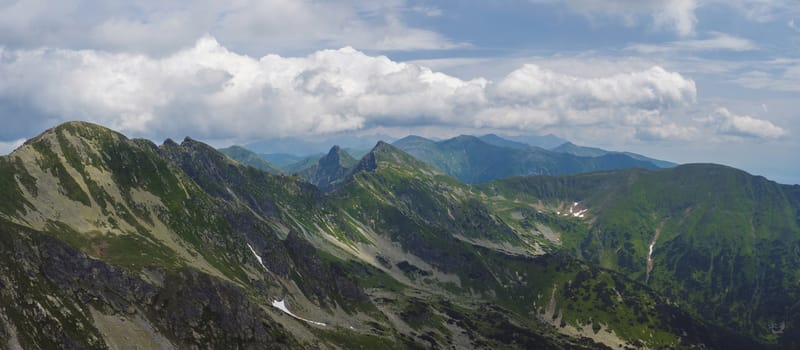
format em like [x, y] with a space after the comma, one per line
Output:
[651, 89]
[728, 123]
[211, 92]
[675, 15]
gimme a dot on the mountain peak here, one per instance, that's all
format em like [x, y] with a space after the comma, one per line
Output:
[192, 144]
[80, 129]
[337, 157]
[381, 144]
[192, 149]
[386, 155]
[384, 148]
[330, 169]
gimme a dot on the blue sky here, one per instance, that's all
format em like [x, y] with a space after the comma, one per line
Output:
[683, 80]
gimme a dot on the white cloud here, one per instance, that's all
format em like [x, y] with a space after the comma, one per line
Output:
[652, 89]
[247, 26]
[210, 91]
[675, 15]
[207, 91]
[728, 123]
[717, 41]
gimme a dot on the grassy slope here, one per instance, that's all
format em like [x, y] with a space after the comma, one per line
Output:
[727, 241]
[581, 294]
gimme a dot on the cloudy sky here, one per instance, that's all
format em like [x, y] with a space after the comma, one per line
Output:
[683, 80]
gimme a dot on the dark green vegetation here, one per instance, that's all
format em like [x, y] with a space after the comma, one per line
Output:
[106, 240]
[477, 160]
[726, 244]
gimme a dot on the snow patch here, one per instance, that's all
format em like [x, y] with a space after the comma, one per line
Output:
[650, 253]
[281, 305]
[575, 211]
[260, 261]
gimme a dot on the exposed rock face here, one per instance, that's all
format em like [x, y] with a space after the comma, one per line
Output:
[324, 280]
[191, 309]
[203, 312]
[330, 170]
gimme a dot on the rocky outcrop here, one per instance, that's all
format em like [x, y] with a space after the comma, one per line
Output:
[47, 286]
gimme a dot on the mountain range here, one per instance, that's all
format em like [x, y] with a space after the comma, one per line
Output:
[473, 159]
[111, 242]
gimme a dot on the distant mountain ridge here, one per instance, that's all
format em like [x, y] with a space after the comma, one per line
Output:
[250, 158]
[473, 160]
[493, 139]
[582, 151]
[469, 158]
[544, 141]
[304, 148]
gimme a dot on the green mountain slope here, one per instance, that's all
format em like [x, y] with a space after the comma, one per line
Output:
[714, 239]
[107, 242]
[247, 157]
[472, 160]
[102, 231]
[454, 235]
